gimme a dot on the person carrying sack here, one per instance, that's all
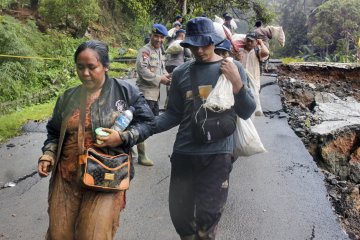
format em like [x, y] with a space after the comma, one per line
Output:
[200, 170]
[76, 211]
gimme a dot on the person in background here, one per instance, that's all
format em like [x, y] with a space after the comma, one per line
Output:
[223, 49]
[176, 59]
[227, 22]
[147, 39]
[199, 181]
[76, 212]
[172, 32]
[250, 56]
[179, 19]
[150, 66]
[263, 33]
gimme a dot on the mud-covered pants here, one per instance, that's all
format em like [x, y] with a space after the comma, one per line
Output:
[78, 214]
[198, 192]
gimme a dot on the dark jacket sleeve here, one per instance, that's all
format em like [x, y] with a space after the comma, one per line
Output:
[142, 126]
[245, 104]
[53, 130]
[175, 108]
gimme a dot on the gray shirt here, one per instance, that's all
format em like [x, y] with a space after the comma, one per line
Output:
[180, 107]
[179, 58]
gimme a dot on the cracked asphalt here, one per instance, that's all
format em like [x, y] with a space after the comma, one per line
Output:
[277, 195]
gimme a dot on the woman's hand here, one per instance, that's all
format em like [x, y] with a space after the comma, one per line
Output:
[45, 164]
[112, 140]
[44, 168]
[231, 72]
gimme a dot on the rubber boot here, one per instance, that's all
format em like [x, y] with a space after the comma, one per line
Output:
[134, 153]
[142, 157]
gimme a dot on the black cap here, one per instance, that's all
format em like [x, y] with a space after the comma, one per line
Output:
[251, 35]
[227, 17]
[258, 23]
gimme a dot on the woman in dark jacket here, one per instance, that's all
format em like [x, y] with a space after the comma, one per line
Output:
[75, 212]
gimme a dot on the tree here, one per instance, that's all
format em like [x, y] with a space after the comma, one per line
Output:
[73, 14]
[293, 19]
[165, 11]
[337, 28]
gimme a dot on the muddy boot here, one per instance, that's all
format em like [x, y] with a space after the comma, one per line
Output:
[142, 157]
[192, 237]
[134, 153]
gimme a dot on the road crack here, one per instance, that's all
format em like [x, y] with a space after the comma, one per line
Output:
[21, 179]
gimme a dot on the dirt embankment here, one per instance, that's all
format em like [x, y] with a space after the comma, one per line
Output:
[322, 101]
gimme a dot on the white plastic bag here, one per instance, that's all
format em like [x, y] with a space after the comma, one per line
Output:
[219, 20]
[222, 31]
[221, 97]
[246, 139]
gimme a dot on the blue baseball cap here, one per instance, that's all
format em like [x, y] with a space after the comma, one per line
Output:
[159, 29]
[200, 32]
[225, 45]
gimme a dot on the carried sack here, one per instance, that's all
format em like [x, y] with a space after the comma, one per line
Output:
[246, 139]
[103, 172]
[221, 97]
[99, 171]
[174, 47]
[278, 34]
[209, 126]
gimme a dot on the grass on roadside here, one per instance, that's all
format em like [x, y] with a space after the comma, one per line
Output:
[11, 123]
[291, 60]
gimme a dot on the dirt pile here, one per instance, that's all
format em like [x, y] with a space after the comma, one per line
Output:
[322, 103]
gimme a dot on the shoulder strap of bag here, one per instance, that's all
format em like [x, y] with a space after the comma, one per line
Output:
[193, 80]
[195, 90]
[81, 126]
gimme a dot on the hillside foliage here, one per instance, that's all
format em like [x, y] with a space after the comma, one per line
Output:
[54, 28]
[320, 30]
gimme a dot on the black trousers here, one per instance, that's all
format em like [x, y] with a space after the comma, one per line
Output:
[198, 192]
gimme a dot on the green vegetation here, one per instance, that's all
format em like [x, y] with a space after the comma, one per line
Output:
[291, 60]
[74, 14]
[11, 123]
[341, 19]
[318, 30]
[25, 73]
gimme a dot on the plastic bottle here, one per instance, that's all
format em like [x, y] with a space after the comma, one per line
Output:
[123, 120]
